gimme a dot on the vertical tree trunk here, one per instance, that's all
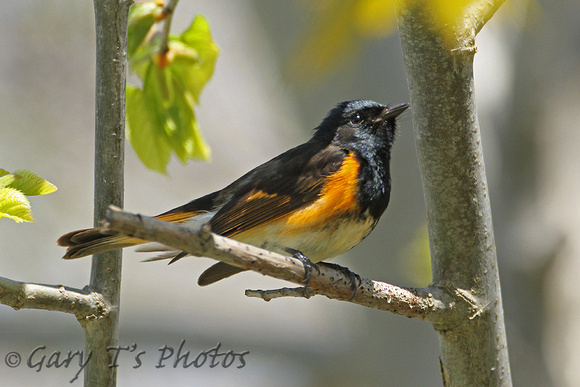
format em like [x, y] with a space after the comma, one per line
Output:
[473, 353]
[111, 33]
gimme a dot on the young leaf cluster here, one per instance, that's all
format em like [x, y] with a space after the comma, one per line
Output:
[14, 187]
[160, 114]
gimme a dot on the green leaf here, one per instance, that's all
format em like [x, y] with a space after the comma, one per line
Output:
[178, 120]
[143, 131]
[180, 125]
[14, 205]
[160, 116]
[7, 178]
[143, 58]
[161, 119]
[30, 183]
[195, 58]
[199, 149]
[142, 16]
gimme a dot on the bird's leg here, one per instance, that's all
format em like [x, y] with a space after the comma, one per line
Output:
[308, 265]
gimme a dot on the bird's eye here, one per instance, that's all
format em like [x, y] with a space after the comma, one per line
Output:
[356, 119]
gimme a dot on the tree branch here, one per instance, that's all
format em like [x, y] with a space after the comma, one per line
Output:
[433, 304]
[168, 10]
[24, 295]
[479, 13]
[452, 167]
[111, 18]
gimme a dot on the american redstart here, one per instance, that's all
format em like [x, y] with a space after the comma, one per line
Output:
[320, 198]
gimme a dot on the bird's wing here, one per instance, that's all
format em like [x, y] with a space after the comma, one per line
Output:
[279, 188]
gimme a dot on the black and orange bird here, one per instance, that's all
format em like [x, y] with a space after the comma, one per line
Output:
[320, 198]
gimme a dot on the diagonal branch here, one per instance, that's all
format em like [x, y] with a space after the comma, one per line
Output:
[479, 13]
[24, 295]
[434, 304]
[168, 10]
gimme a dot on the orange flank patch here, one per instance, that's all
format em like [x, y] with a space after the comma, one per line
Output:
[177, 217]
[338, 196]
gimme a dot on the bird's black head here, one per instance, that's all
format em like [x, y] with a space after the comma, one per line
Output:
[367, 129]
[362, 125]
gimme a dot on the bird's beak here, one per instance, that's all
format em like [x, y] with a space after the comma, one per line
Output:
[394, 112]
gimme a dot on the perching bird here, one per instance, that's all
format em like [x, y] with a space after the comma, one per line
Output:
[320, 198]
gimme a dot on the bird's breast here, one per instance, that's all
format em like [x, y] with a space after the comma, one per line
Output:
[318, 241]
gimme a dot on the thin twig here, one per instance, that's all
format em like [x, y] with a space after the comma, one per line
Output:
[268, 295]
[168, 9]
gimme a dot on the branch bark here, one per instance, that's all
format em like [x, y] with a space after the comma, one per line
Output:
[24, 295]
[111, 17]
[454, 182]
[435, 304]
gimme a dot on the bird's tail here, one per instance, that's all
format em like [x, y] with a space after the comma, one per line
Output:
[90, 241]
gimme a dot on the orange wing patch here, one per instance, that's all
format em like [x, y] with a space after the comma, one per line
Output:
[260, 195]
[338, 196]
[178, 217]
[258, 209]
